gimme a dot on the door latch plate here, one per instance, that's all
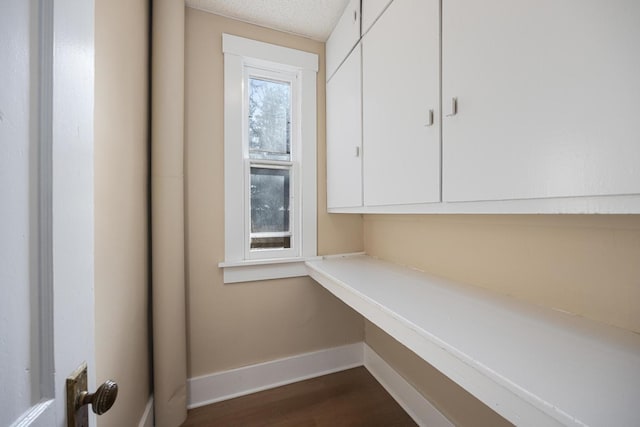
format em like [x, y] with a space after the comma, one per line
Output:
[76, 385]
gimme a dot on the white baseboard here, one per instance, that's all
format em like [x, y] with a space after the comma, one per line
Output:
[412, 401]
[147, 415]
[225, 385]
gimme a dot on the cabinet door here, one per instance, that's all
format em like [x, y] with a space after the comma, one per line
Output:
[344, 37]
[371, 9]
[344, 135]
[401, 139]
[548, 98]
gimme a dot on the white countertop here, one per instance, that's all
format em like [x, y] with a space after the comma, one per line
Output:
[533, 365]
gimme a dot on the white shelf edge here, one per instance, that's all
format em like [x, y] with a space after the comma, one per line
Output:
[626, 204]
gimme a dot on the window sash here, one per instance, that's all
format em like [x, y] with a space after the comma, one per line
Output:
[255, 74]
[278, 76]
[289, 218]
[294, 214]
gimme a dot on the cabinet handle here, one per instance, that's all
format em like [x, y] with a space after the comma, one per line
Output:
[355, 16]
[454, 107]
[357, 151]
[429, 119]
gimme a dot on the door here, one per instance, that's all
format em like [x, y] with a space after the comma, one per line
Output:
[547, 97]
[343, 37]
[46, 205]
[401, 97]
[344, 135]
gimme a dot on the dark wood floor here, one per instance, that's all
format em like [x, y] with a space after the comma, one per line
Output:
[348, 398]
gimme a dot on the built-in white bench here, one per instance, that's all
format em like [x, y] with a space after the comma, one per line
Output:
[534, 366]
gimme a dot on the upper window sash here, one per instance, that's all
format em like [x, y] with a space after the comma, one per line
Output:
[270, 80]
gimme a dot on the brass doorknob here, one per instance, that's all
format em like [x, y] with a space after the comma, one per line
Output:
[102, 400]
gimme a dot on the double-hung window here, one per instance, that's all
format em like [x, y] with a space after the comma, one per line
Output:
[270, 160]
[272, 226]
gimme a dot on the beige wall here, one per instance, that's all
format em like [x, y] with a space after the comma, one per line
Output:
[585, 264]
[121, 252]
[240, 324]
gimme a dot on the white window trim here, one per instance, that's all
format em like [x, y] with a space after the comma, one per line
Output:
[238, 53]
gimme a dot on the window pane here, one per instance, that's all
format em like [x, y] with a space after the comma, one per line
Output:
[269, 120]
[270, 226]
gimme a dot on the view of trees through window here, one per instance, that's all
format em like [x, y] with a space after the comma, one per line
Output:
[270, 140]
[269, 120]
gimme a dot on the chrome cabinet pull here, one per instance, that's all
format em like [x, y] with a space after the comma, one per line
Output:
[429, 119]
[454, 107]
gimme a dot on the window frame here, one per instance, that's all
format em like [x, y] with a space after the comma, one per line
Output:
[241, 57]
[295, 187]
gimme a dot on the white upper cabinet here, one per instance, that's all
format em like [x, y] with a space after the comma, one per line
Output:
[546, 117]
[371, 9]
[344, 135]
[343, 38]
[548, 98]
[401, 139]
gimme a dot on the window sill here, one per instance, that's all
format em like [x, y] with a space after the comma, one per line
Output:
[264, 269]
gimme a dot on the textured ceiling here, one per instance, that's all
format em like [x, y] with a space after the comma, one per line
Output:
[314, 19]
